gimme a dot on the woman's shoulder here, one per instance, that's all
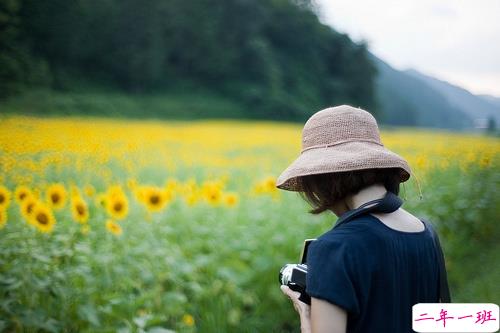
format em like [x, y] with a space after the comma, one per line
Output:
[351, 237]
[359, 237]
[345, 250]
[356, 229]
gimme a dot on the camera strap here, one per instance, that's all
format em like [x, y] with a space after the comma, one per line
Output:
[388, 204]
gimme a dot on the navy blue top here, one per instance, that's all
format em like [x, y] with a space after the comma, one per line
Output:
[374, 272]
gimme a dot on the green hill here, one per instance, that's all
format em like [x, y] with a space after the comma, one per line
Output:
[476, 107]
[273, 58]
[406, 100]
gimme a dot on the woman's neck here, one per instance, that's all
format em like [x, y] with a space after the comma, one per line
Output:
[372, 192]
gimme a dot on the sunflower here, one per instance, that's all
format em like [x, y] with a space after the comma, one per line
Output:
[79, 209]
[269, 184]
[188, 320]
[117, 206]
[191, 198]
[156, 198]
[3, 218]
[43, 218]
[113, 228]
[89, 190]
[212, 192]
[27, 208]
[4, 197]
[56, 196]
[22, 192]
[115, 191]
[231, 199]
[100, 199]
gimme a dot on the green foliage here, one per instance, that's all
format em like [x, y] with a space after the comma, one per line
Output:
[465, 208]
[274, 56]
[193, 104]
[18, 68]
[218, 264]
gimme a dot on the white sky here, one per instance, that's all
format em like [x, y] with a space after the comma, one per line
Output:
[454, 40]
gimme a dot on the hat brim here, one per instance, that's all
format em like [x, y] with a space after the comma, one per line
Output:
[355, 155]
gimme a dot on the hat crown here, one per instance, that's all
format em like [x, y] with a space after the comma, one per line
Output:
[339, 124]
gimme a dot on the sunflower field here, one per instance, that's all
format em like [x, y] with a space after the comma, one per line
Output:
[153, 226]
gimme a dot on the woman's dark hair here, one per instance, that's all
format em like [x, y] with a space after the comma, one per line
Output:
[323, 190]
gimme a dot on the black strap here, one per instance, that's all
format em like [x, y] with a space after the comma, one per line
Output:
[444, 291]
[388, 204]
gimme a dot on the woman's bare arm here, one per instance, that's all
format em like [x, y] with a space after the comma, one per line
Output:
[327, 317]
[320, 317]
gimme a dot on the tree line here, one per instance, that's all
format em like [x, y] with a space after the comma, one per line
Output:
[275, 56]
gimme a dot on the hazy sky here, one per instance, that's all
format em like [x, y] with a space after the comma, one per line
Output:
[455, 40]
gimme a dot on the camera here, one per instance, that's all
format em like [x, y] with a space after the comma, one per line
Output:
[294, 275]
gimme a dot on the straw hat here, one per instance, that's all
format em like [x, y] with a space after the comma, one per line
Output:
[337, 139]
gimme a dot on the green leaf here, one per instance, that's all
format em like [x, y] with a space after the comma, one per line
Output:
[158, 329]
[88, 313]
[142, 320]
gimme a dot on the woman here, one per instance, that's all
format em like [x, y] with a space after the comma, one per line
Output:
[366, 273]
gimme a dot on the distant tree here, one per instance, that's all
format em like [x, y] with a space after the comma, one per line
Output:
[18, 68]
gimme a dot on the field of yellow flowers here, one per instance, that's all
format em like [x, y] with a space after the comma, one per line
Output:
[148, 226]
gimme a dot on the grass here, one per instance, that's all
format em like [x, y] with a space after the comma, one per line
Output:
[183, 105]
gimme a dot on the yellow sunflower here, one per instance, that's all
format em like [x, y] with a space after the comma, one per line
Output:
[4, 197]
[270, 184]
[212, 192]
[89, 190]
[100, 199]
[267, 185]
[156, 198]
[79, 209]
[231, 199]
[3, 218]
[56, 196]
[22, 192]
[117, 206]
[27, 208]
[191, 198]
[115, 191]
[43, 218]
[114, 228]
[188, 320]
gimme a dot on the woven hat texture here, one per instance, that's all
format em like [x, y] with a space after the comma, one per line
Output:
[338, 139]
